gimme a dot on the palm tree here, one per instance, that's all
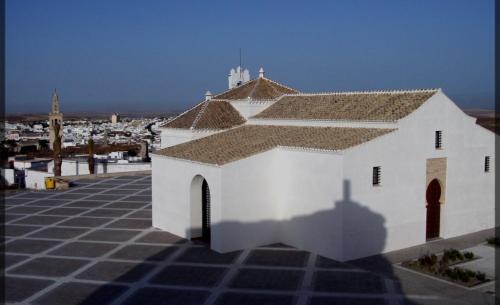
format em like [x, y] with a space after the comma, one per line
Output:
[91, 160]
[57, 149]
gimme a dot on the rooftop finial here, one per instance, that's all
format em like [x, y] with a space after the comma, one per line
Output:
[261, 72]
[208, 96]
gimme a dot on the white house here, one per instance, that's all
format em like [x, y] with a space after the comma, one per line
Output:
[344, 174]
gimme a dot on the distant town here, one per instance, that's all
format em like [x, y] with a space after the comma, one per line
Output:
[120, 143]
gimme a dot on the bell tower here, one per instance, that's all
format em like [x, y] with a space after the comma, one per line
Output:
[55, 116]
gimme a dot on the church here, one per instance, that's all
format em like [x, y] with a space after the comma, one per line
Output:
[341, 174]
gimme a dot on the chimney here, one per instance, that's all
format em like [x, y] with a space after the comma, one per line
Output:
[208, 96]
[261, 72]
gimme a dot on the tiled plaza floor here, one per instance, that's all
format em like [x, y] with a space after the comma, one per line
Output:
[94, 245]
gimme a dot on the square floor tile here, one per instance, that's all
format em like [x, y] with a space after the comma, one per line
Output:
[68, 196]
[144, 253]
[11, 260]
[84, 249]
[207, 256]
[10, 217]
[85, 191]
[139, 198]
[17, 201]
[58, 233]
[346, 301]
[15, 230]
[31, 246]
[348, 282]
[64, 211]
[110, 235]
[85, 222]
[35, 195]
[47, 266]
[279, 258]
[40, 220]
[126, 205]
[158, 296]
[105, 197]
[86, 204]
[81, 294]
[232, 298]
[25, 210]
[130, 224]
[106, 213]
[18, 289]
[132, 187]
[267, 279]
[120, 192]
[146, 214]
[48, 203]
[161, 237]
[116, 272]
[129, 178]
[323, 262]
[189, 276]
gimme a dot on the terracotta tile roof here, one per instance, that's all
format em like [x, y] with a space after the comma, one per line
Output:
[365, 106]
[260, 88]
[247, 140]
[211, 114]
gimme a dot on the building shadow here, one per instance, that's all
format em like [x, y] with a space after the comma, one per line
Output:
[352, 230]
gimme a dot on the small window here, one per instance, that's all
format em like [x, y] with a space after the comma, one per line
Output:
[439, 139]
[487, 164]
[376, 175]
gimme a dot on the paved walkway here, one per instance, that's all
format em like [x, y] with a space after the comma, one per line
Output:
[413, 283]
[94, 245]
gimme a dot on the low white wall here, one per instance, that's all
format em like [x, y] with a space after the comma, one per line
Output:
[36, 179]
[33, 179]
[8, 175]
[74, 168]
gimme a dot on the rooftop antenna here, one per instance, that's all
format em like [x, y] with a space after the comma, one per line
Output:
[240, 63]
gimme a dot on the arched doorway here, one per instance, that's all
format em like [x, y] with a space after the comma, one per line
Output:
[205, 206]
[200, 209]
[432, 195]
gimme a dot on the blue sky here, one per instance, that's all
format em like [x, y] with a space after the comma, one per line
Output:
[119, 55]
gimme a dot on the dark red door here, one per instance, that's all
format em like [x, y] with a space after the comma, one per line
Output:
[433, 209]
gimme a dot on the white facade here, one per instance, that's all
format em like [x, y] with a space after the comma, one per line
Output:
[324, 201]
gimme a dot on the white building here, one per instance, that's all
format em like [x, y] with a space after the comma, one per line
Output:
[115, 118]
[344, 175]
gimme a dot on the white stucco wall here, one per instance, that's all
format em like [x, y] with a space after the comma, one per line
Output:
[310, 206]
[402, 155]
[174, 136]
[171, 193]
